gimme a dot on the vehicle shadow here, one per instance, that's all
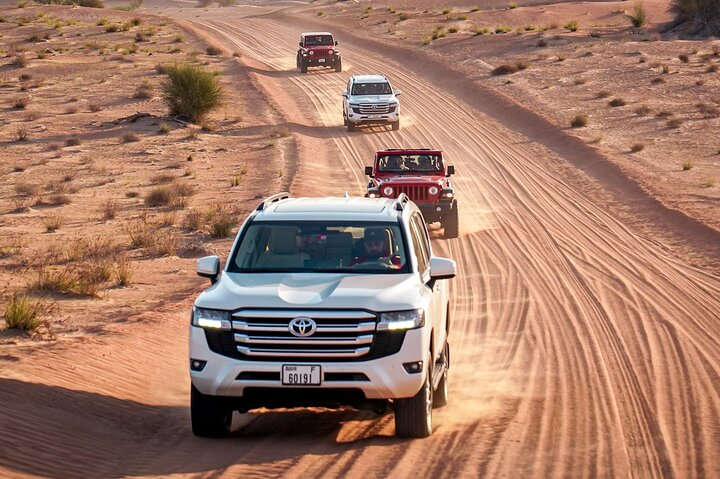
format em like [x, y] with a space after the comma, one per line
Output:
[56, 432]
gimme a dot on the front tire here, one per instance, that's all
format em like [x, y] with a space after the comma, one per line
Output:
[303, 67]
[413, 416]
[440, 395]
[395, 125]
[351, 126]
[210, 415]
[451, 223]
[338, 66]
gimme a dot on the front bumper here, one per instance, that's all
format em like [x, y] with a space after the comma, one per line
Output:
[384, 378]
[386, 118]
[321, 62]
[433, 212]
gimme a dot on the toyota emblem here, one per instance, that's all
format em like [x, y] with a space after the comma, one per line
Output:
[302, 327]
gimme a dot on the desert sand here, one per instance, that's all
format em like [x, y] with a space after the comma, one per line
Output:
[585, 315]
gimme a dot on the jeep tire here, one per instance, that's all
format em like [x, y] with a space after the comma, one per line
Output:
[451, 222]
[440, 395]
[413, 416]
[303, 66]
[210, 415]
[351, 126]
[338, 66]
[395, 125]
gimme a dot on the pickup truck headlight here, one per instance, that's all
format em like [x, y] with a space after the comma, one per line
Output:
[401, 320]
[211, 319]
[354, 105]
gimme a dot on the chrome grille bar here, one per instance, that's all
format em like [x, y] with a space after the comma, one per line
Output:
[309, 341]
[319, 353]
[322, 328]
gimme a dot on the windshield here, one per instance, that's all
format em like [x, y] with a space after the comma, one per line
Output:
[371, 89]
[324, 247]
[319, 40]
[410, 163]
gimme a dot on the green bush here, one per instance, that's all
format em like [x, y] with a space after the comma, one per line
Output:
[191, 92]
[639, 15]
[23, 313]
[702, 16]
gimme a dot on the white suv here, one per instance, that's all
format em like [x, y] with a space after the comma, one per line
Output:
[370, 99]
[323, 302]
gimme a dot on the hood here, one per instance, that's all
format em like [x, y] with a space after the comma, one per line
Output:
[375, 292]
[371, 98]
[405, 179]
[321, 48]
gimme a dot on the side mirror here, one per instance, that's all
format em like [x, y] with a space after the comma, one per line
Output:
[398, 92]
[336, 43]
[450, 170]
[209, 267]
[344, 93]
[369, 171]
[442, 268]
[300, 43]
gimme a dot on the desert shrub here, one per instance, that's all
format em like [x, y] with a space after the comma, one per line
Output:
[162, 179]
[674, 123]
[579, 121]
[58, 199]
[639, 16]
[72, 142]
[129, 137]
[617, 102]
[572, 25]
[53, 222]
[664, 114]
[143, 91]
[109, 209]
[21, 312]
[637, 147]
[642, 110]
[505, 69]
[175, 194]
[213, 51]
[221, 220]
[123, 271]
[90, 3]
[684, 58]
[688, 165]
[701, 16]
[112, 28]
[657, 80]
[708, 111]
[191, 92]
[21, 133]
[21, 103]
[603, 94]
[542, 42]
[26, 189]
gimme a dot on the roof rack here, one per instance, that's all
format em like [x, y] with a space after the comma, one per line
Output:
[408, 149]
[272, 199]
[401, 201]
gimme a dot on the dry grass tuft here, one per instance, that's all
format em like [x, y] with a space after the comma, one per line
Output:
[175, 194]
[22, 312]
[53, 222]
[109, 210]
[637, 147]
[579, 121]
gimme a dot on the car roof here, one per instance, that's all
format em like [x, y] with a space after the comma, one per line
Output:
[369, 78]
[310, 34]
[351, 208]
[408, 151]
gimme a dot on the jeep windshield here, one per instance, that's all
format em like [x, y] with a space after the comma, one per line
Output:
[321, 247]
[410, 163]
[371, 89]
[319, 41]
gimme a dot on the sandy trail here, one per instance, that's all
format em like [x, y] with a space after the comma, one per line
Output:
[580, 347]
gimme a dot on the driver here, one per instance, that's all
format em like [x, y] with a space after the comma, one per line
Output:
[374, 248]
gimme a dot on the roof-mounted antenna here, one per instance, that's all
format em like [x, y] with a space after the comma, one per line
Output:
[347, 196]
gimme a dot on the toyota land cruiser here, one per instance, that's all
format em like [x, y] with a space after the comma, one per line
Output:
[323, 302]
[317, 49]
[370, 99]
[422, 174]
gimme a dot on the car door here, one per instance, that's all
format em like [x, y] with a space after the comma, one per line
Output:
[435, 311]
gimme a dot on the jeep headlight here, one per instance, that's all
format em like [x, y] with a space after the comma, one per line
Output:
[401, 320]
[211, 319]
[387, 191]
[433, 190]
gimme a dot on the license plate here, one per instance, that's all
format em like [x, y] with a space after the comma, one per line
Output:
[374, 116]
[321, 60]
[301, 374]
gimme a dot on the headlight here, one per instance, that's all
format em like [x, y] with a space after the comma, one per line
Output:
[211, 319]
[387, 191]
[354, 105]
[331, 52]
[433, 190]
[312, 52]
[401, 320]
[373, 193]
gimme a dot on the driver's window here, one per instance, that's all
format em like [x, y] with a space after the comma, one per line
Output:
[420, 251]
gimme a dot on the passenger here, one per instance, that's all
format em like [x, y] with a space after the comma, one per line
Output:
[423, 163]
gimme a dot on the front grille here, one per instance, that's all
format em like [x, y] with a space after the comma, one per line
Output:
[415, 193]
[374, 109]
[263, 335]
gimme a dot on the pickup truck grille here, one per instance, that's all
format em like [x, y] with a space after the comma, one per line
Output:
[374, 109]
[263, 335]
[415, 193]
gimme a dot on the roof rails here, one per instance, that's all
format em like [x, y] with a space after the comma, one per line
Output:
[408, 149]
[401, 201]
[272, 199]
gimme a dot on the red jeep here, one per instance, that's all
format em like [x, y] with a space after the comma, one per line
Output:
[317, 49]
[423, 176]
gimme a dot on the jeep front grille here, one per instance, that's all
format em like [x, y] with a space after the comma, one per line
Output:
[374, 109]
[339, 334]
[415, 193]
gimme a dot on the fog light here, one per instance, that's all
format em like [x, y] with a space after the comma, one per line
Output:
[413, 368]
[438, 209]
[197, 364]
